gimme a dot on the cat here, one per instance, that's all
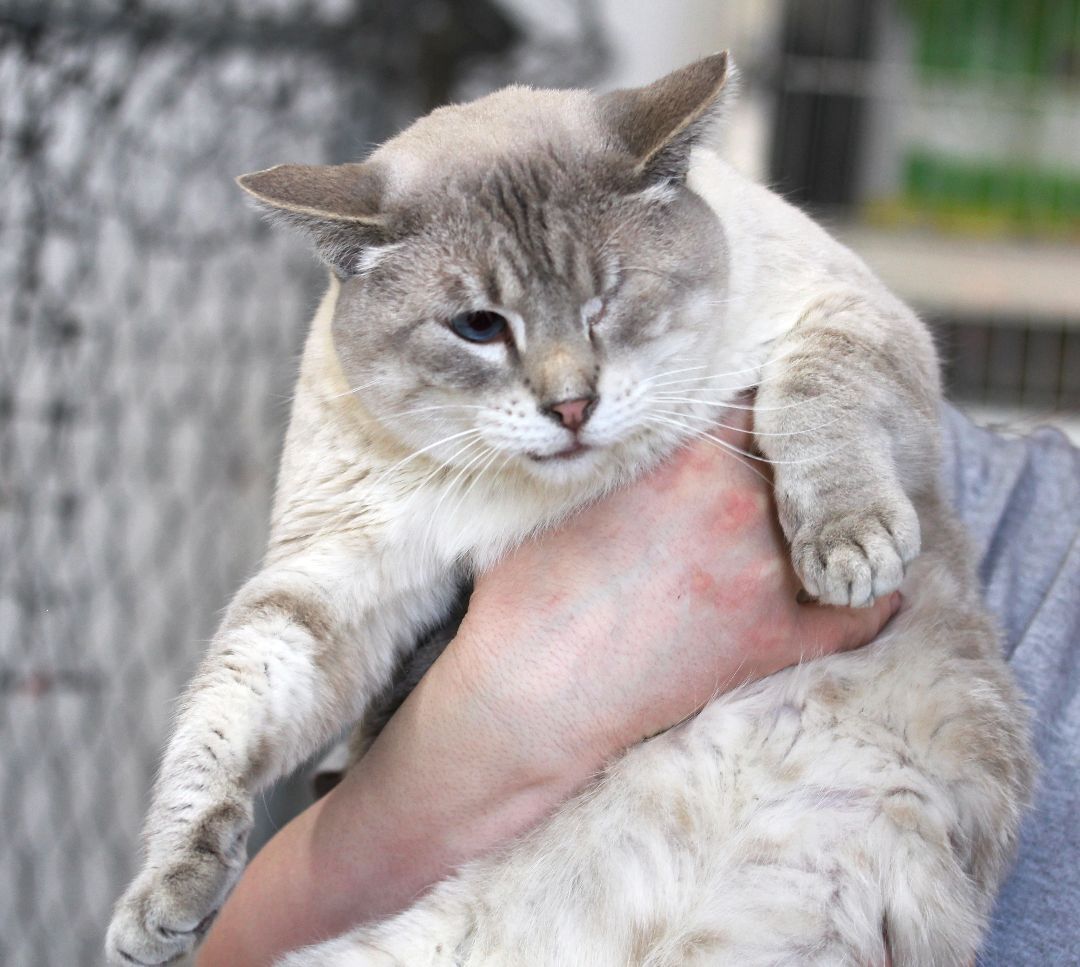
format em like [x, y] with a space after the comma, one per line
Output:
[511, 280]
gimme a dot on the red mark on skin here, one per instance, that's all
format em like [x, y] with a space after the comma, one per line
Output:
[737, 592]
[685, 465]
[725, 597]
[701, 583]
[699, 460]
[555, 600]
[665, 478]
[734, 513]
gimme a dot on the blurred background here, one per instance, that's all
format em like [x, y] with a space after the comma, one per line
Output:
[151, 323]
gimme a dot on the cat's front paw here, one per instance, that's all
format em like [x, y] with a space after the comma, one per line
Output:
[852, 558]
[171, 904]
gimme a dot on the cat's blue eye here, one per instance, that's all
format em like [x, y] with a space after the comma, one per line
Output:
[480, 326]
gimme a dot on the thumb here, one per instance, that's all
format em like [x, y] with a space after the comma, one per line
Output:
[842, 629]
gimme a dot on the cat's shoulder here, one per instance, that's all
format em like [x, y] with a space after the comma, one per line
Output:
[750, 208]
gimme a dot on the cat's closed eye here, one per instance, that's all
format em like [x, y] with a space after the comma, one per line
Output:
[593, 312]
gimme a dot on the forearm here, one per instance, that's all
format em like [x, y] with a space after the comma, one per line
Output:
[446, 781]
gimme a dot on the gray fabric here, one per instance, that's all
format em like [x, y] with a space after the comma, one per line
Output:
[1020, 499]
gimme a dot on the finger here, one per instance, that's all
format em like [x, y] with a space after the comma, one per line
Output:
[865, 624]
[842, 629]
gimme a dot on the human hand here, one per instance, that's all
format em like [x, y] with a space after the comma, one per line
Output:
[636, 612]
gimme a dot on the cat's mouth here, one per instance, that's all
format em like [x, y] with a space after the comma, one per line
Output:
[575, 448]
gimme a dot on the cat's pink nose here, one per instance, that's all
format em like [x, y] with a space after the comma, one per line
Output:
[573, 413]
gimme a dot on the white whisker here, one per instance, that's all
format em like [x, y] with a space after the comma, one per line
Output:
[651, 270]
[728, 390]
[431, 446]
[752, 456]
[464, 469]
[723, 445]
[715, 376]
[756, 433]
[731, 406]
[445, 466]
[719, 302]
[357, 389]
[431, 409]
[475, 480]
[733, 372]
[672, 372]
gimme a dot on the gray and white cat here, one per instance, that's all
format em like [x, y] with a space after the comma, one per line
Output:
[537, 297]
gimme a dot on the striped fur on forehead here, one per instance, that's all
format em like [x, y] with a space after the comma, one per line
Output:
[548, 227]
[531, 218]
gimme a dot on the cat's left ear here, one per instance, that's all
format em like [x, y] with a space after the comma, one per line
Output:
[337, 206]
[660, 123]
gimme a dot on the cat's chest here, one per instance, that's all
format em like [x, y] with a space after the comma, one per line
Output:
[472, 524]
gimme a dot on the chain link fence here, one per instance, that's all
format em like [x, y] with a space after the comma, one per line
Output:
[148, 343]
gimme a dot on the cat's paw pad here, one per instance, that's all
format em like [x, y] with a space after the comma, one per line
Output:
[171, 905]
[854, 558]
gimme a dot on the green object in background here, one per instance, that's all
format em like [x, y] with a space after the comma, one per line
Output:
[993, 196]
[1039, 38]
[1015, 54]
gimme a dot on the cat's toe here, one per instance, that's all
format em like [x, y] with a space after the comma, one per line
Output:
[854, 558]
[144, 932]
[169, 907]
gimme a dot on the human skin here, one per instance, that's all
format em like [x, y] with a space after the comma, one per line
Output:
[621, 623]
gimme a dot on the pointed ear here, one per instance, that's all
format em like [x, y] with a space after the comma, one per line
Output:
[660, 123]
[337, 206]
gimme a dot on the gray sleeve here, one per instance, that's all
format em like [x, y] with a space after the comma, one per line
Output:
[1020, 500]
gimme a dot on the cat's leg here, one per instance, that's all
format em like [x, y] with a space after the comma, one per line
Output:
[295, 660]
[846, 411]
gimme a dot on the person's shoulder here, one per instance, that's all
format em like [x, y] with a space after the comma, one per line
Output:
[1018, 495]
[974, 454]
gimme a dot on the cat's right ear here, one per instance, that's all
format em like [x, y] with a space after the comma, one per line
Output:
[337, 206]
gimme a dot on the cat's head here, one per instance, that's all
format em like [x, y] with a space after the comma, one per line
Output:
[519, 274]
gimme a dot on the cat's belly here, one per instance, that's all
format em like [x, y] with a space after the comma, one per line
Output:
[798, 819]
[881, 785]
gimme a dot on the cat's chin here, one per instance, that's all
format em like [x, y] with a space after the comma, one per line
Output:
[568, 466]
[570, 453]
[594, 467]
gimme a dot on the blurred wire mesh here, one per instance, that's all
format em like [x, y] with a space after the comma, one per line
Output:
[149, 340]
[152, 323]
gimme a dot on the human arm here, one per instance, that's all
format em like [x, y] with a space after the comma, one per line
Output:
[614, 627]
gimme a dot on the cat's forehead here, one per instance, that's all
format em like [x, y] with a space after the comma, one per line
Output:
[507, 191]
[465, 140]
